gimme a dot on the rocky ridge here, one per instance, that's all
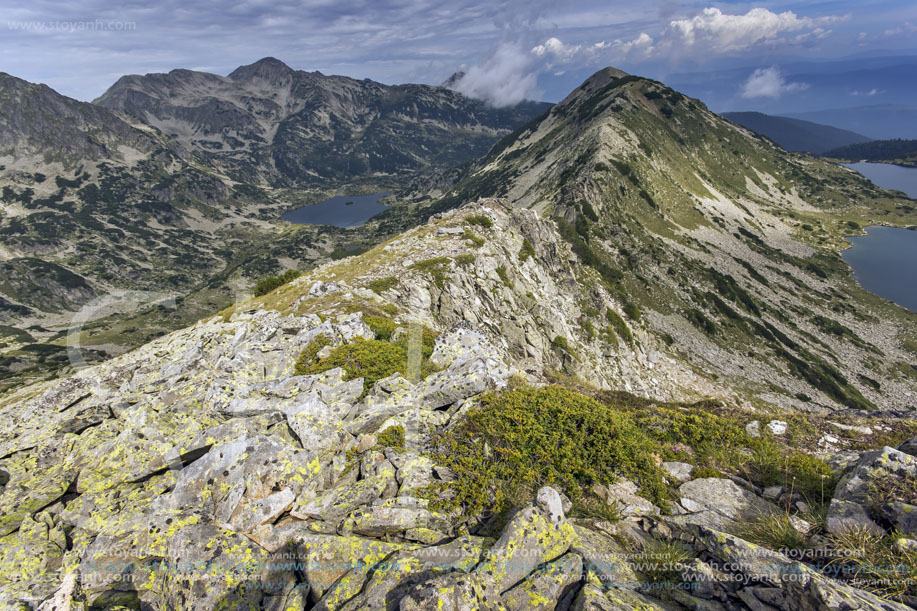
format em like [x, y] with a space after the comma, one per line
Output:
[201, 471]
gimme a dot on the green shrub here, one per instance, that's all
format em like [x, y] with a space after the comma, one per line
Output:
[481, 220]
[371, 360]
[515, 441]
[309, 355]
[632, 310]
[464, 260]
[383, 327]
[561, 343]
[620, 327]
[526, 251]
[504, 276]
[380, 285]
[269, 283]
[392, 437]
[435, 267]
[474, 239]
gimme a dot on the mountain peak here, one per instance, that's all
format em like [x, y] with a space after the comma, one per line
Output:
[266, 68]
[453, 80]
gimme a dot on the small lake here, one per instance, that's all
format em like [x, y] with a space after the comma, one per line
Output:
[888, 176]
[340, 211]
[884, 262]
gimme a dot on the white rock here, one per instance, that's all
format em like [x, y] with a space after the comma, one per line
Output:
[549, 501]
[777, 427]
[753, 428]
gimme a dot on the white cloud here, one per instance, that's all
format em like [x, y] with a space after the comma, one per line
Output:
[905, 28]
[709, 32]
[503, 78]
[869, 93]
[768, 83]
[554, 51]
[554, 47]
[715, 31]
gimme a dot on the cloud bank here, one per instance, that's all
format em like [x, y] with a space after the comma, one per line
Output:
[768, 83]
[503, 78]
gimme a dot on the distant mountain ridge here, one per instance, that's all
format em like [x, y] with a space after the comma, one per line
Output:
[897, 151]
[271, 124]
[796, 134]
[880, 121]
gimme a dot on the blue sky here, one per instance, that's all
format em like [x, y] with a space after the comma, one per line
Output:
[510, 50]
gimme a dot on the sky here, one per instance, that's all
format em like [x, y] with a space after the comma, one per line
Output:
[509, 50]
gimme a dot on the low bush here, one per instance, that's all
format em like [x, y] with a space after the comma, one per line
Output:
[371, 360]
[392, 437]
[620, 327]
[269, 283]
[381, 285]
[480, 220]
[515, 441]
[383, 327]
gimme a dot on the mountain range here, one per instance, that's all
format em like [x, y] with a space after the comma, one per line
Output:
[170, 186]
[620, 340]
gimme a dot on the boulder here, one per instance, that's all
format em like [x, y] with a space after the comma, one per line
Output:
[854, 491]
[725, 497]
[678, 471]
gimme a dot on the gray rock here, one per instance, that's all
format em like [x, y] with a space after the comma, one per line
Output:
[852, 494]
[678, 471]
[542, 589]
[548, 500]
[725, 497]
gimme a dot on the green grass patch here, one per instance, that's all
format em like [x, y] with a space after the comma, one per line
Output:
[435, 267]
[381, 285]
[475, 240]
[526, 251]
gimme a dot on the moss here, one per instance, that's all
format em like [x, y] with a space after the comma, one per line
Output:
[269, 283]
[381, 285]
[526, 251]
[517, 440]
[371, 360]
[392, 437]
[480, 220]
[309, 355]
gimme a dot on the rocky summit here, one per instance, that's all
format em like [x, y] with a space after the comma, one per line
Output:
[616, 363]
